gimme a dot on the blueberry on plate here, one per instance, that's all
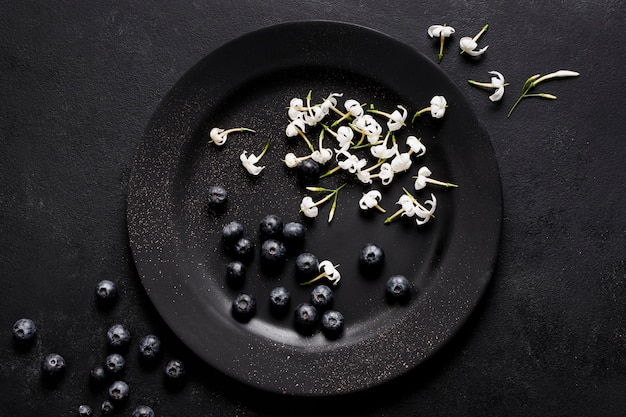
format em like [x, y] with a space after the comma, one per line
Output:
[118, 392]
[271, 227]
[97, 376]
[273, 255]
[53, 365]
[371, 259]
[243, 250]
[322, 297]
[243, 307]
[174, 374]
[231, 233]
[332, 324]
[293, 236]
[118, 336]
[106, 292]
[107, 407]
[307, 267]
[142, 411]
[398, 289]
[24, 331]
[280, 299]
[217, 198]
[306, 318]
[308, 172]
[149, 347]
[84, 411]
[114, 364]
[235, 274]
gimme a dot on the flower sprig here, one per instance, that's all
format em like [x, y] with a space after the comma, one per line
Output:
[328, 271]
[442, 32]
[218, 135]
[249, 161]
[410, 207]
[497, 82]
[536, 79]
[469, 45]
[437, 108]
[310, 208]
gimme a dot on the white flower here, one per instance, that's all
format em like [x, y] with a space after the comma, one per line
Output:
[353, 107]
[416, 146]
[322, 156]
[370, 200]
[367, 125]
[424, 214]
[386, 173]
[329, 271]
[344, 137]
[295, 128]
[440, 31]
[401, 162]
[349, 162]
[396, 119]
[469, 45]
[364, 176]
[291, 160]
[438, 106]
[407, 204]
[296, 110]
[410, 207]
[249, 163]
[330, 102]
[497, 82]
[219, 136]
[308, 207]
[423, 178]
[314, 115]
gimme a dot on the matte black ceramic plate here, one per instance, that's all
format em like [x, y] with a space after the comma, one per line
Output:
[176, 241]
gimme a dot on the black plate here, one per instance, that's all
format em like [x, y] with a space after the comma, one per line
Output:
[176, 241]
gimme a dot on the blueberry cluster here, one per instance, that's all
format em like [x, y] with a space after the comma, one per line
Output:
[109, 374]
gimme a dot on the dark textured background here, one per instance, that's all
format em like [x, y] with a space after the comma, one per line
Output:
[78, 83]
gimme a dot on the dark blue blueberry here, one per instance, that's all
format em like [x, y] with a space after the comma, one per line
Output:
[24, 330]
[332, 324]
[243, 307]
[149, 347]
[293, 236]
[53, 365]
[114, 364]
[280, 299]
[398, 289]
[217, 198]
[273, 255]
[84, 411]
[306, 318]
[174, 374]
[322, 297]
[118, 336]
[97, 376]
[243, 250]
[308, 172]
[307, 267]
[106, 291]
[231, 233]
[371, 259]
[118, 392]
[142, 411]
[107, 407]
[271, 227]
[235, 274]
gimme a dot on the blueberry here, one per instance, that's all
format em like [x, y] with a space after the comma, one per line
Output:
[114, 364]
[85, 411]
[24, 330]
[118, 336]
[217, 198]
[231, 233]
[293, 236]
[280, 299]
[142, 411]
[118, 392]
[174, 371]
[149, 347]
[306, 318]
[271, 227]
[53, 365]
[273, 255]
[332, 324]
[371, 259]
[235, 274]
[107, 407]
[322, 297]
[308, 172]
[398, 289]
[243, 250]
[106, 292]
[307, 267]
[243, 307]
[97, 376]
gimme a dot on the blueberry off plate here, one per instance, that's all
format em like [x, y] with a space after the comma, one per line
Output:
[176, 238]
